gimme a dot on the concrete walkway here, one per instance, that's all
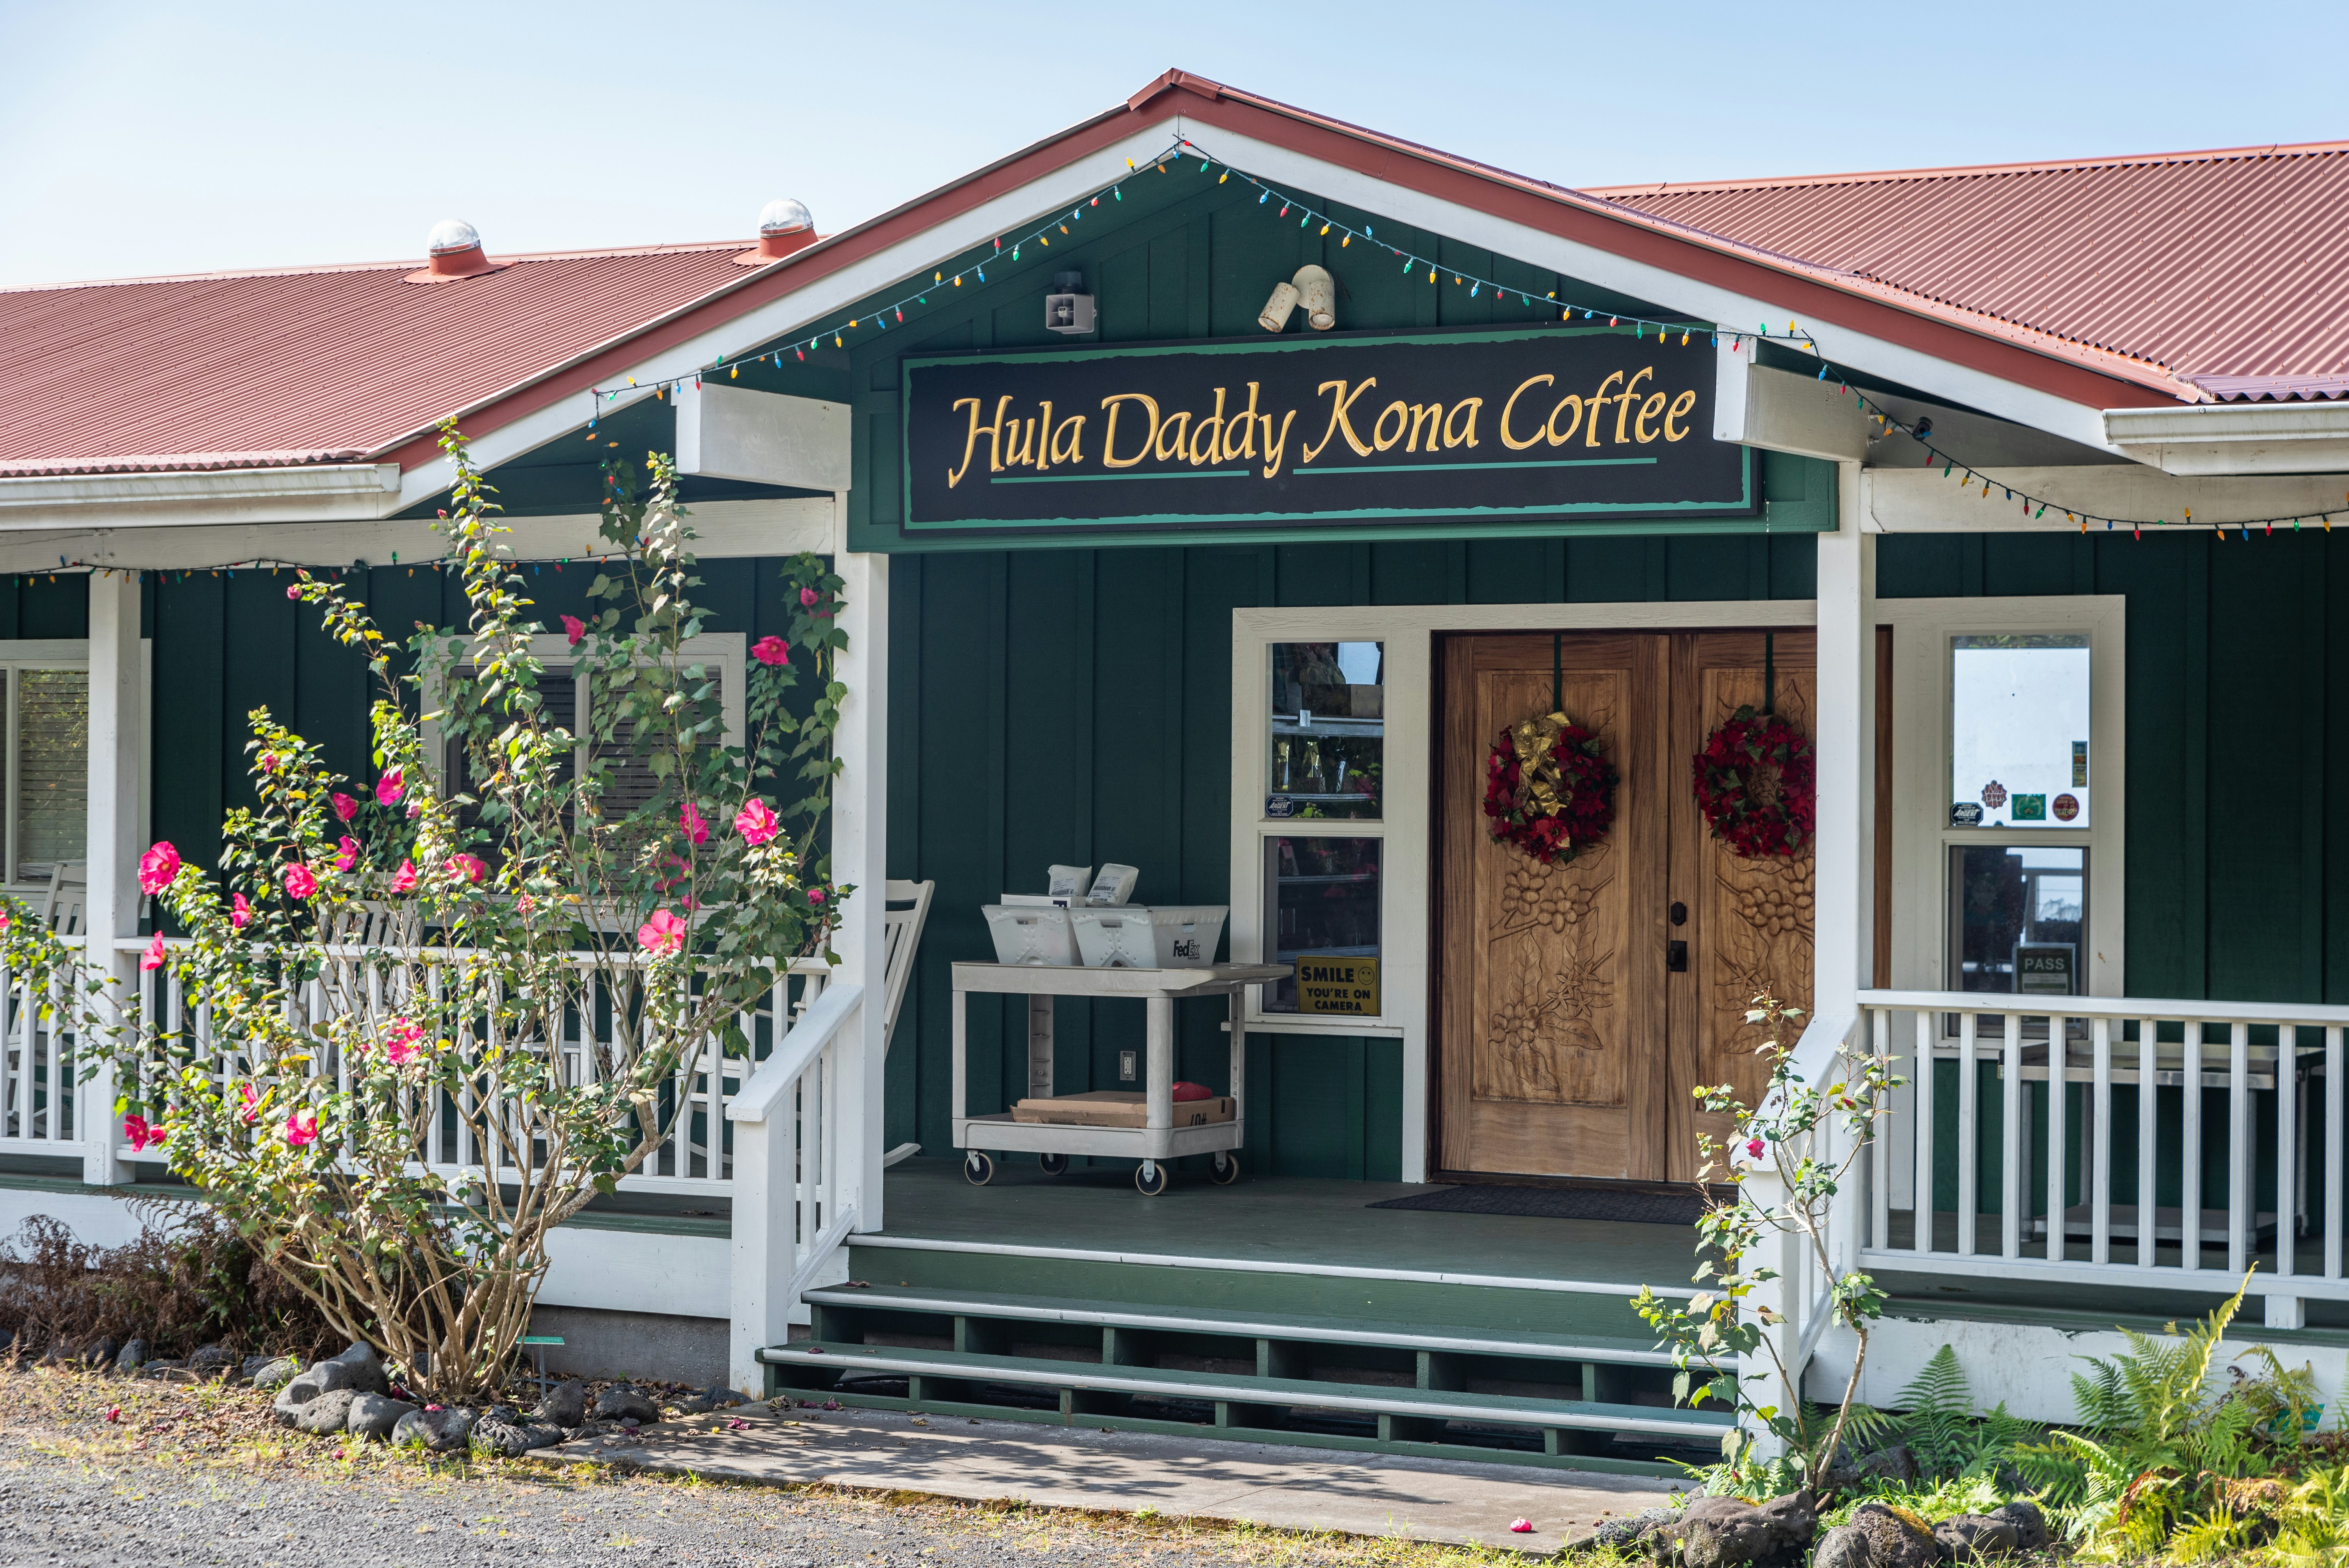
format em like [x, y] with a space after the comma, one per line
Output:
[1086, 1468]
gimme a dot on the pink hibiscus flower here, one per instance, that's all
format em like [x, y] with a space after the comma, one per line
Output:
[391, 786]
[696, 830]
[466, 869]
[348, 853]
[153, 957]
[401, 1043]
[807, 598]
[301, 882]
[404, 879]
[239, 913]
[345, 808]
[662, 934]
[574, 628]
[251, 1102]
[157, 867]
[294, 591]
[756, 822]
[141, 1132]
[771, 651]
[300, 1129]
[815, 895]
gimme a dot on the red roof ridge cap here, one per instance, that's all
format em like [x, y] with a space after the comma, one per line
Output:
[1174, 79]
[1959, 170]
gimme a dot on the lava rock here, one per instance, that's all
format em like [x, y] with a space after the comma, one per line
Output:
[1624, 1531]
[2029, 1524]
[368, 1374]
[436, 1431]
[1862, 1472]
[1971, 1537]
[1879, 1536]
[710, 1399]
[96, 1352]
[132, 1357]
[1724, 1532]
[269, 1371]
[565, 1405]
[305, 1387]
[373, 1415]
[329, 1412]
[208, 1356]
[626, 1404]
[501, 1432]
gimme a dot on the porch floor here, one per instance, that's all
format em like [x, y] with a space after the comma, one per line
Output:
[1281, 1224]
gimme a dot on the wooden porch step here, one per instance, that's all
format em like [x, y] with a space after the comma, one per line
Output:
[1232, 1394]
[1290, 1327]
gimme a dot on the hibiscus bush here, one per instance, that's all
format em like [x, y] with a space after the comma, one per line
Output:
[425, 1017]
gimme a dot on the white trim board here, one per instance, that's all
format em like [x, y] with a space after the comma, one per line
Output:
[722, 529]
[1408, 631]
[1921, 500]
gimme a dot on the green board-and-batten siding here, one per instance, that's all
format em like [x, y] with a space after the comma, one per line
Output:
[1074, 707]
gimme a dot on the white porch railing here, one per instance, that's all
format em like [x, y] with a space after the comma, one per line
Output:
[41, 1100]
[2234, 1159]
[695, 1157]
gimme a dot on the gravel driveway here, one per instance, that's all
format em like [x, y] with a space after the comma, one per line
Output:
[98, 1472]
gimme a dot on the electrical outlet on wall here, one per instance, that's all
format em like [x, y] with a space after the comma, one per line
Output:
[1125, 1067]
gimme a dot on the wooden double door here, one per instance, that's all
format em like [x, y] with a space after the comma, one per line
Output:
[1580, 1004]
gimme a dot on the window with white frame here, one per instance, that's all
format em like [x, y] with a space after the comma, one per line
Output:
[44, 756]
[567, 692]
[2007, 795]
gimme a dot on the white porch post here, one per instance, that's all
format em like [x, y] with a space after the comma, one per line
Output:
[111, 837]
[1846, 840]
[859, 857]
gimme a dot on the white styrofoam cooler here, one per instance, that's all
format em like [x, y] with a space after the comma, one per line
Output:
[1161, 936]
[1031, 933]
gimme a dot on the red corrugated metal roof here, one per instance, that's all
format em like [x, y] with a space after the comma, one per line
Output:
[330, 364]
[2229, 268]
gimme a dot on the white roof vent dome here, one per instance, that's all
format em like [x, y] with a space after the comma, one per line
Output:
[452, 234]
[785, 216]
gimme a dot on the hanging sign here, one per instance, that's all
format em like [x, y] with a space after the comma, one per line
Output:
[1337, 986]
[1546, 422]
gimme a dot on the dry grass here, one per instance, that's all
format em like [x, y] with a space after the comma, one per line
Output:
[135, 1429]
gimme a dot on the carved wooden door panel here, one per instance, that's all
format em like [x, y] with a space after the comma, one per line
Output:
[1749, 920]
[1572, 1034]
[1552, 1026]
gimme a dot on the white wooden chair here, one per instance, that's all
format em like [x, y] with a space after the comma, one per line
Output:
[62, 906]
[905, 910]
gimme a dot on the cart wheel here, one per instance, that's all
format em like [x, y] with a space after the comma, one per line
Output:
[1227, 1170]
[977, 1169]
[1150, 1179]
[1053, 1164]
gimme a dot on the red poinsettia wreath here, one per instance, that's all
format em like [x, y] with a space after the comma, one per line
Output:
[1757, 785]
[1548, 788]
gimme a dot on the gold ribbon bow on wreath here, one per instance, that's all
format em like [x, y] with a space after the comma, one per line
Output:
[1543, 787]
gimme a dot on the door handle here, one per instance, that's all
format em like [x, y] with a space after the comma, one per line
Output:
[1676, 957]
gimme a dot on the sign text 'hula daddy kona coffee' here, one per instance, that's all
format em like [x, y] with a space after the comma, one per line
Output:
[1337, 985]
[1553, 421]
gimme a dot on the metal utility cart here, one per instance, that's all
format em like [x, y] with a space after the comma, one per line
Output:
[1158, 1139]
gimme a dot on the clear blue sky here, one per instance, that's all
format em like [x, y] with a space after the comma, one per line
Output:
[140, 138]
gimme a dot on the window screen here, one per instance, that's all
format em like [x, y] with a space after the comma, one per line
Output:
[52, 769]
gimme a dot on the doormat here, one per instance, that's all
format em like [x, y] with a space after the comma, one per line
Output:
[1625, 1203]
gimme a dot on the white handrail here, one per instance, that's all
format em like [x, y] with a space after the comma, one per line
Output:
[2124, 1008]
[757, 1098]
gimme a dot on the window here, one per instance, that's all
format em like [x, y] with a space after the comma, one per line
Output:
[2008, 802]
[2019, 731]
[1327, 730]
[569, 697]
[49, 711]
[1321, 901]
